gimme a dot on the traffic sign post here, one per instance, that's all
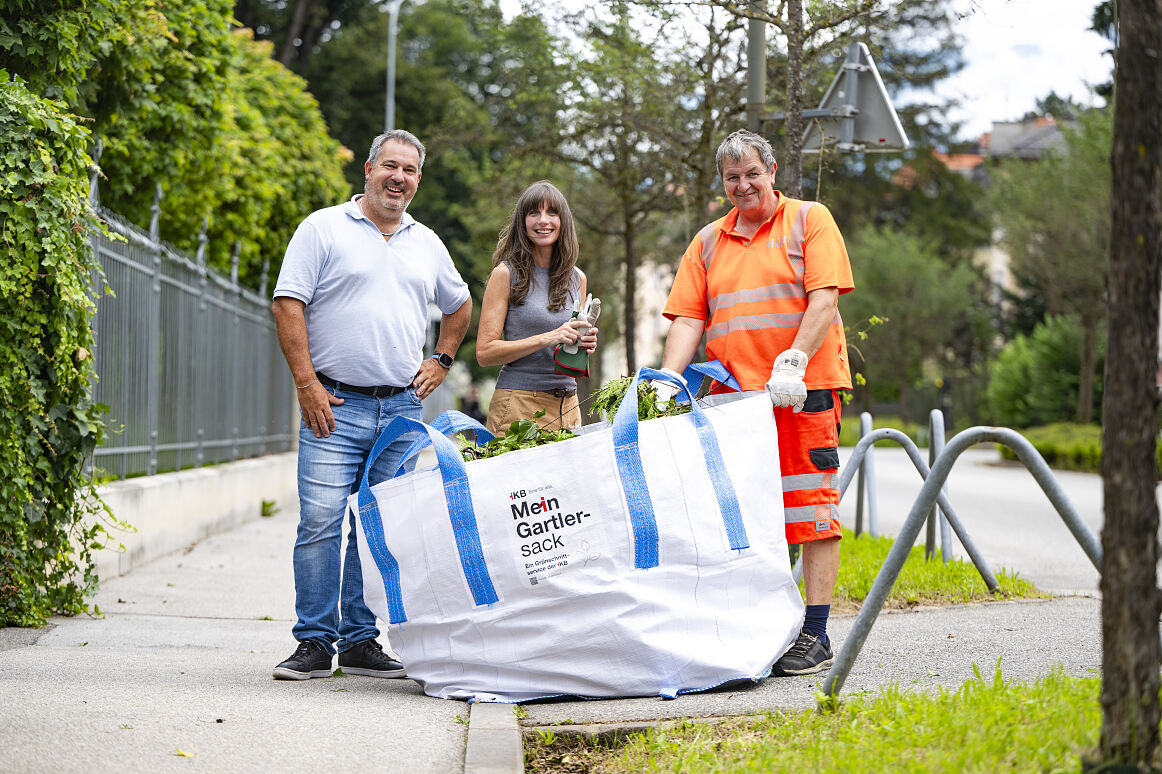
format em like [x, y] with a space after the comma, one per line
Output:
[856, 114]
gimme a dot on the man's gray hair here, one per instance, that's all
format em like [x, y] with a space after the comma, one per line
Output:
[397, 135]
[735, 147]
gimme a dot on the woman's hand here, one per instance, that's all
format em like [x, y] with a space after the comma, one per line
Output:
[588, 342]
[570, 332]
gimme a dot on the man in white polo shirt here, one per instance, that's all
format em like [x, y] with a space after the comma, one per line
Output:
[351, 309]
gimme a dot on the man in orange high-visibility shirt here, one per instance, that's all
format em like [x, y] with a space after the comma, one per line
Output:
[763, 283]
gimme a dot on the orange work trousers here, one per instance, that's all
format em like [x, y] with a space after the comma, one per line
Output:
[809, 464]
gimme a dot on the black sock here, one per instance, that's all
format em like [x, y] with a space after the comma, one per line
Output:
[815, 622]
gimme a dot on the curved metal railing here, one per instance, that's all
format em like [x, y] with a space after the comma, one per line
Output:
[931, 494]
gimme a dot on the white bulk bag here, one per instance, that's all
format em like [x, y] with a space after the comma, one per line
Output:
[643, 559]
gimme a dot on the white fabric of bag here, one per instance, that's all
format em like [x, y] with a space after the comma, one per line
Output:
[574, 616]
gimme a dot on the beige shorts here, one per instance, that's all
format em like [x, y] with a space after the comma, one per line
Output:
[508, 406]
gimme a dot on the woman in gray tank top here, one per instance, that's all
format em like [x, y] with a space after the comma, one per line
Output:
[527, 311]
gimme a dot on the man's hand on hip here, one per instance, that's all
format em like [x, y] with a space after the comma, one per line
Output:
[315, 405]
[430, 377]
[786, 386]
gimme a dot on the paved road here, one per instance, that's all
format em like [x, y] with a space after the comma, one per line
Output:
[1004, 511]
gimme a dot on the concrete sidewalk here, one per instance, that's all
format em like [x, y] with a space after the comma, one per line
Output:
[180, 665]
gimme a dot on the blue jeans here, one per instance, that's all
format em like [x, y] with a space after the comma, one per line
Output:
[329, 592]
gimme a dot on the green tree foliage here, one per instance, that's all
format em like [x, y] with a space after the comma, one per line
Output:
[48, 507]
[1035, 379]
[179, 99]
[275, 160]
[930, 309]
[481, 94]
[1054, 214]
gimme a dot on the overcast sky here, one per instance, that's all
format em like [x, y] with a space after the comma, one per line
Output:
[1018, 51]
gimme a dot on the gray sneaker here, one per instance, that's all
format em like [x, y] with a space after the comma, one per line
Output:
[806, 656]
[367, 658]
[310, 659]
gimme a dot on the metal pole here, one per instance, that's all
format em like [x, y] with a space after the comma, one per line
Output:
[934, 418]
[936, 447]
[868, 468]
[201, 349]
[95, 174]
[235, 355]
[392, 28]
[153, 336]
[850, 93]
[860, 484]
[756, 68]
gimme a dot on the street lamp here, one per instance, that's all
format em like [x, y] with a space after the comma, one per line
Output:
[392, 24]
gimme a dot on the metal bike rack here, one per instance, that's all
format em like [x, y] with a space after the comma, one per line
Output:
[931, 494]
[857, 455]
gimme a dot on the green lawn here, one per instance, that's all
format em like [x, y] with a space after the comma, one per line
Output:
[921, 582]
[987, 725]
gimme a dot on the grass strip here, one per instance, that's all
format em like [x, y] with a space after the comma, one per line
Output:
[986, 725]
[921, 581]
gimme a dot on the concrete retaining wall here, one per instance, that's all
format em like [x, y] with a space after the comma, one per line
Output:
[173, 510]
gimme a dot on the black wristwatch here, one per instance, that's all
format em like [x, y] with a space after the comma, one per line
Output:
[444, 359]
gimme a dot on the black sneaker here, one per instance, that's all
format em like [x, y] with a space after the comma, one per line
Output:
[367, 658]
[806, 657]
[310, 659]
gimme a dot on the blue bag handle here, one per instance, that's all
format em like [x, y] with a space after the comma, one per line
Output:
[712, 368]
[448, 423]
[460, 512]
[627, 450]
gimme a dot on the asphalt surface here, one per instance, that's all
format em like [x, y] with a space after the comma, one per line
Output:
[176, 674]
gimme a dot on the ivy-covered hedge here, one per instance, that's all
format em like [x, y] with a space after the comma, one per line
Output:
[48, 425]
[182, 99]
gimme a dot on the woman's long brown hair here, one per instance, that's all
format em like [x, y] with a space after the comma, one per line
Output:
[515, 248]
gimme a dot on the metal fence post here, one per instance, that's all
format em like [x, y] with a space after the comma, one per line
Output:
[95, 174]
[868, 469]
[935, 446]
[935, 419]
[264, 386]
[94, 200]
[201, 344]
[235, 353]
[153, 338]
[860, 483]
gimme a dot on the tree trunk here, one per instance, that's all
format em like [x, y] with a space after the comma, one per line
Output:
[1088, 367]
[628, 305]
[794, 125]
[1130, 597]
[294, 30]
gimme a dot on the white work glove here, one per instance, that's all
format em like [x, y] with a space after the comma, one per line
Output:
[786, 386]
[664, 390]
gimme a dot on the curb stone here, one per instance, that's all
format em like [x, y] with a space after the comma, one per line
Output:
[495, 744]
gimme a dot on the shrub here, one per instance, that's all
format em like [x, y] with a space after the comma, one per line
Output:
[849, 430]
[1070, 446]
[49, 426]
[1035, 378]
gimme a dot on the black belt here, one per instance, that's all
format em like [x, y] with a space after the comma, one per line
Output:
[379, 391]
[560, 392]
